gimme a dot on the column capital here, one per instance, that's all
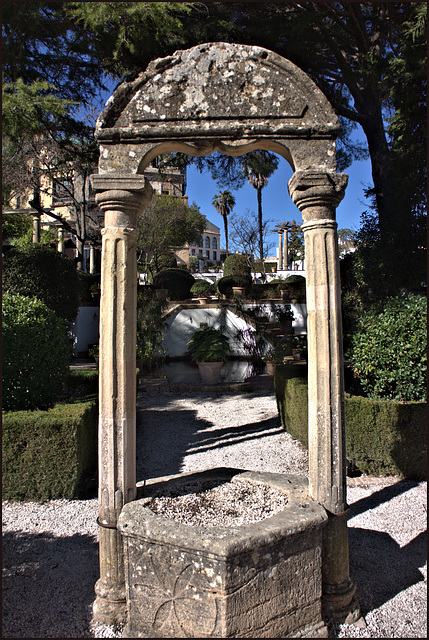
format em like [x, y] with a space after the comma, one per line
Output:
[313, 188]
[124, 195]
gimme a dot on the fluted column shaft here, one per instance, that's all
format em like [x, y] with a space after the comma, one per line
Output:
[285, 249]
[121, 198]
[280, 251]
[317, 195]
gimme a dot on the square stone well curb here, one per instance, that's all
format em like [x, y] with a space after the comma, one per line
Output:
[259, 580]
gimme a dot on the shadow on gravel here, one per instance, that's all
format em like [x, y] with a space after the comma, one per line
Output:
[164, 438]
[378, 497]
[48, 585]
[217, 438]
[381, 568]
[378, 564]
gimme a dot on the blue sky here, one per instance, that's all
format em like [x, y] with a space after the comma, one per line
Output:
[276, 203]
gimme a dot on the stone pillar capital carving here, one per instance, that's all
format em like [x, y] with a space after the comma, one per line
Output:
[121, 197]
[317, 193]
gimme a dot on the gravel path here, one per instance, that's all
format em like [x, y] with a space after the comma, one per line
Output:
[50, 551]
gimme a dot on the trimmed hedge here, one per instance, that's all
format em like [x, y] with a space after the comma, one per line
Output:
[38, 271]
[35, 354]
[383, 437]
[53, 454]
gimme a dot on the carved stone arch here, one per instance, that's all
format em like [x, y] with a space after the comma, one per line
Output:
[233, 99]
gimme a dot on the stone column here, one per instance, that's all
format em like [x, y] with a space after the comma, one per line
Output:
[36, 228]
[60, 245]
[280, 263]
[317, 195]
[285, 249]
[91, 259]
[121, 198]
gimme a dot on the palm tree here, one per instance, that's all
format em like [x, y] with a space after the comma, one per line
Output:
[259, 166]
[224, 202]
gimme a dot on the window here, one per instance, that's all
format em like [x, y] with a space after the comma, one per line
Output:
[214, 243]
[63, 187]
[207, 243]
[208, 254]
[214, 255]
[200, 251]
[192, 252]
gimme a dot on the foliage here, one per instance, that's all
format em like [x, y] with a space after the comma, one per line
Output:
[177, 282]
[16, 226]
[224, 285]
[382, 436]
[296, 286]
[87, 285]
[166, 223]
[236, 264]
[224, 202]
[208, 344]
[161, 261]
[245, 237]
[127, 35]
[296, 249]
[50, 454]
[203, 288]
[277, 353]
[388, 350]
[44, 273]
[150, 329]
[35, 355]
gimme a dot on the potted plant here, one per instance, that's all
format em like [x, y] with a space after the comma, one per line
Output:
[203, 290]
[284, 316]
[209, 348]
[275, 355]
[299, 348]
[94, 352]
[296, 286]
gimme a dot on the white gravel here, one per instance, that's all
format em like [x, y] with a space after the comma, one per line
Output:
[50, 551]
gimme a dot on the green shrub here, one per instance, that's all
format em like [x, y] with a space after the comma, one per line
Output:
[35, 355]
[236, 265]
[150, 329]
[208, 344]
[49, 454]
[388, 350]
[162, 261]
[37, 271]
[224, 285]
[177, 281]
[203, 288]
[382, 436]
[295, 285]
[264, 291]
[87, 284]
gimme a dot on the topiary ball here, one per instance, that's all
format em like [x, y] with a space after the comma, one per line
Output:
[177, 282]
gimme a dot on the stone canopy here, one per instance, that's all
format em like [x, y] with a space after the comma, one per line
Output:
[233, 99]
[218, 96]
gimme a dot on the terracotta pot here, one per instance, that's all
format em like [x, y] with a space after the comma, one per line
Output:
[209, 372]
[284, 294]
[271, 368]
[238, 291]
[296, 354]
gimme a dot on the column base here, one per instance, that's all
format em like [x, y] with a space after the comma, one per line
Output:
[110, 606]
[339, 603]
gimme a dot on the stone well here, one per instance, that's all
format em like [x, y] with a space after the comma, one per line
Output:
[260, 580]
